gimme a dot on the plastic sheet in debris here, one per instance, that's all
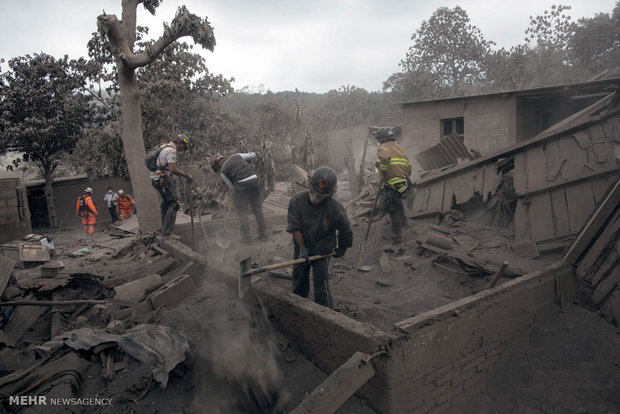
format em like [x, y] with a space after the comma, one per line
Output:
[158, 346]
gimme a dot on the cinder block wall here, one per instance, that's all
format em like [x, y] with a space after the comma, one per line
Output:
[446, 356]
[490, 123]
[12, 226]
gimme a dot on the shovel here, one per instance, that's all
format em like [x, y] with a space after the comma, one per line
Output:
[244, 275]
[223, 238]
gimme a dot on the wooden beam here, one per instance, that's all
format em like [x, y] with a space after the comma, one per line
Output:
[585, 177]
[350, 163]
[6, 267]
[338, 387]
[360, 178]
[594, 224]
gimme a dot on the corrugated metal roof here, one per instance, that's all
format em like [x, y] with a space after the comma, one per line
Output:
[444, 153]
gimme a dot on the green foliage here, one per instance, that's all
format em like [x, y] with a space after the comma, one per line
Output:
[551, 30]
[595, 42]
[43, 109]
[188, 24]
[450, 56]
[448, 51]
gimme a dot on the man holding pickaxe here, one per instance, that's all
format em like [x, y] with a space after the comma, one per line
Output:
[319, 225]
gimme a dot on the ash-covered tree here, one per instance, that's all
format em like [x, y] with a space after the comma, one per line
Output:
[447, 51]
[178, 95]
[43, 111]
[595, 42]
[121, 37]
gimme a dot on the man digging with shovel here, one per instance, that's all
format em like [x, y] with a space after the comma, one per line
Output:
[242, 181]
[314, 217]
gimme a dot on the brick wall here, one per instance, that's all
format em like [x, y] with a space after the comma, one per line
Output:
[446, 356]
[14, 224]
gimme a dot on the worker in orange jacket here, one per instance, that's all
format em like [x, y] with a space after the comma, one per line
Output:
[86, 209]
[125, 204]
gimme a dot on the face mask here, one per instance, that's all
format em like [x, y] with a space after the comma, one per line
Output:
[109, 191]
[316, 198]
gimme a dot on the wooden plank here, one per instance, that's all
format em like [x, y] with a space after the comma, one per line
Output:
[519, 173]
[580, 201]
[609, 235]
[554, 161]
[464, 186]
[604, 269]
[597, 134]
[478, 180]
[448, 194]
[603, 154]
[582, 138]
[522, 224]
[576, 158]
[338, 387]
[559, 207]
[6, 267]
[360, 178]
[536, 167]
[421, 198]
[599, 188]
[612, 129]
[599, 217]
[589, 176]
[611, 307]
[606, 285]
[435, 199]
[539, 213]
[350, 163]
[491, 180]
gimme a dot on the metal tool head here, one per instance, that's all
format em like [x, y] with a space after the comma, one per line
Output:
[244, 266]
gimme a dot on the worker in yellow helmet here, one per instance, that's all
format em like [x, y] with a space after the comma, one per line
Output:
[394, 171]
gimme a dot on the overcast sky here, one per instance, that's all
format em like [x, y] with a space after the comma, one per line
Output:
[311, 45]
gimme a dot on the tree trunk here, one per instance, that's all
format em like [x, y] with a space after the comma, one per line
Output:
[133, 144]
[49, 197]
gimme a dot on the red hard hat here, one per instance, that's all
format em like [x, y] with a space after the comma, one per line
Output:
[215, 161]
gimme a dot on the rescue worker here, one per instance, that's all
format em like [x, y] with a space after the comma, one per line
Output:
[242, 182]
[161, 180]
[319, 224]
[394, 171]
[126, 204]
[110, 198]
[86, 209]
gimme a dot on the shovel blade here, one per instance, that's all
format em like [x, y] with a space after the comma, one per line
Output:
[223, 239]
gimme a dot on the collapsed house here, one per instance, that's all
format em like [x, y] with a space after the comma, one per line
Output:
[557, 190]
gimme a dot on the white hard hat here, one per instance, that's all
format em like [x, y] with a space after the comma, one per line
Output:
[88, 190]
[121, 192]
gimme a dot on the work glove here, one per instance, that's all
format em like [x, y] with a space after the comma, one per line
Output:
[340, 251]
[304, 254]
[189, 178]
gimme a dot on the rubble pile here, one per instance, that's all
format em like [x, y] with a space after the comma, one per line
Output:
[89, 310]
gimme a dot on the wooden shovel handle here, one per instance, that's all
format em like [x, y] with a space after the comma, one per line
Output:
[286, 264]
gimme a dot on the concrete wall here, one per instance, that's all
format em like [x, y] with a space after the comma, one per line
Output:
[14, 217]
[66, 193]
[490, 123]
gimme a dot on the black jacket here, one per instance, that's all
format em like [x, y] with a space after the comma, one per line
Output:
[318, 223]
